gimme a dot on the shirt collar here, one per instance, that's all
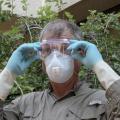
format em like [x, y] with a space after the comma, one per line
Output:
[72, 92]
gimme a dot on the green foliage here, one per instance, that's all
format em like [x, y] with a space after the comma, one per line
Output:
[4, 14]
[8, 42]
[101, 29]
[58, 3]
[104, 30]
[69, 16]
[24, 5]
[46, 14]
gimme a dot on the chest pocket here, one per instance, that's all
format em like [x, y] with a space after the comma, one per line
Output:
[91, 112]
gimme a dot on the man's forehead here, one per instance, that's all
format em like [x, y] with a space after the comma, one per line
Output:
[64, 35]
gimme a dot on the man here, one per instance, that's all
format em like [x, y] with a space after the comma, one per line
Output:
[62, 52]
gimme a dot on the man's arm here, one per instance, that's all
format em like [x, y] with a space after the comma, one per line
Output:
[93, 60]
[106, 75]
[11, 112]
[20, 60]
[6, 83]
[108, 78]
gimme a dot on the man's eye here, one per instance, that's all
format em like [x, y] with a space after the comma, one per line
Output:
[45, 50]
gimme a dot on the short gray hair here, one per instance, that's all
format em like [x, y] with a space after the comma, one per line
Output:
[57, 27]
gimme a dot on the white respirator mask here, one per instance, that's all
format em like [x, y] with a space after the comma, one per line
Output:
[59, 66]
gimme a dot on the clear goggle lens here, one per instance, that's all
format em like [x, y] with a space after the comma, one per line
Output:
[48, 46]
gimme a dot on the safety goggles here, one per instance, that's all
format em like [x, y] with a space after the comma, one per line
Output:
[48, 46]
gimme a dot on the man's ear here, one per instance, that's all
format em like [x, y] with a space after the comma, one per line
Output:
[43, 67]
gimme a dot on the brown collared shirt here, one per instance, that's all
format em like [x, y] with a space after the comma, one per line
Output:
[83, 103]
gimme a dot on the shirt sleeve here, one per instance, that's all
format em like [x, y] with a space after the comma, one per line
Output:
[11, 111]
[113, 96]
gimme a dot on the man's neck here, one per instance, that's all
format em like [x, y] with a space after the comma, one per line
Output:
[62, 89]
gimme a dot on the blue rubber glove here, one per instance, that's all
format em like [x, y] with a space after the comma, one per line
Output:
[22, 57]
[90, 55]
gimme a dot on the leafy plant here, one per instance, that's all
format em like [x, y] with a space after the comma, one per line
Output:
[24, 5]
[4, 14]
[100, 29]
[104, 31]
[46, 14]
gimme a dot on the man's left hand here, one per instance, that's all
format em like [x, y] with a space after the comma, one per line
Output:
[90, 54]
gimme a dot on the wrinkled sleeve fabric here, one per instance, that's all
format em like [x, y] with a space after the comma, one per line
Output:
[20, 107]
[6, 83]
[11, 111]
[113, 96]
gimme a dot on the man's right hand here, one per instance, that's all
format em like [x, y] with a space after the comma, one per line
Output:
[22, 57]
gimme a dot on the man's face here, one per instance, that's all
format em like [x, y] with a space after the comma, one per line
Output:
[67, 36]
